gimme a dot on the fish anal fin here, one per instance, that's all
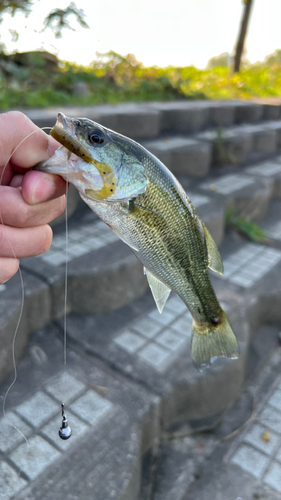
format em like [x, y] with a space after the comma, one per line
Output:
[159, 291]
[214, 258]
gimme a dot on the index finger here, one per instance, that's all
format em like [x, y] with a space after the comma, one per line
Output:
[14, 128]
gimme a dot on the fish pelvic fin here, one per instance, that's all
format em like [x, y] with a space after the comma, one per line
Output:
[159, 291]
[210, 341]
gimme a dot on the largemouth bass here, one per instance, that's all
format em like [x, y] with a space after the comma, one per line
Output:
[141, 200]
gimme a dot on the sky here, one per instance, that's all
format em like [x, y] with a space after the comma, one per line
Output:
[157, 32]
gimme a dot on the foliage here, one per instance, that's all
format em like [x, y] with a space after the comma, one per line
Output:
[247, 228]
[13, 6]
[33, 81]
[57, 19]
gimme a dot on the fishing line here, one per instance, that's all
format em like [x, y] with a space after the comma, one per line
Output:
[65, 431]
[20, 313]
[64, 420]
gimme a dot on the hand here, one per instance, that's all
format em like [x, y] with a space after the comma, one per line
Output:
[28, 199]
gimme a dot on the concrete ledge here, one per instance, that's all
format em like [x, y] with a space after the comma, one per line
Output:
[183, 156]
[36, 314]
[248, 112]
[247, 196]
[182, 116]
[133, 120]
[229, 147]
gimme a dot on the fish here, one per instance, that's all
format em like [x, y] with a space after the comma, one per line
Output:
[137, 196]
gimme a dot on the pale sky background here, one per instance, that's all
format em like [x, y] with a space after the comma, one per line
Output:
[160, 32]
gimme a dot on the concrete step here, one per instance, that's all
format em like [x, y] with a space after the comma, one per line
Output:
[147, 120]
[194, 156]
[182, 155]
[123, 385]
[113, 424]
[190, 159]
[226, 460]
[103, 274]
[143, 358]
[237, 145]
[153, 349]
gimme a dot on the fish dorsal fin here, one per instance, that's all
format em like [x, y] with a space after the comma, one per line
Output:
[214, 258]
[159, 291]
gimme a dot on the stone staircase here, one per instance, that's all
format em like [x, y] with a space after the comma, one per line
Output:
[130, 381]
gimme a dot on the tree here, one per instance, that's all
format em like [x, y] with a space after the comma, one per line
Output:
[242, 34]
[56, 19]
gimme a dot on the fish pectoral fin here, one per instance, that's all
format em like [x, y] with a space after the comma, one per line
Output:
[214, 258]
[159, 291]
[124, 239]
[144, 215]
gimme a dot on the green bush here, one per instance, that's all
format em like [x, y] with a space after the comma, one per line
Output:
[113, 78]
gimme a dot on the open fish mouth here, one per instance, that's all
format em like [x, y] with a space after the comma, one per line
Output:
[64, 132]
[63, 124]
[62, 120]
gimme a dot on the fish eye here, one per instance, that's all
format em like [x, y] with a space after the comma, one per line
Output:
[96, 138]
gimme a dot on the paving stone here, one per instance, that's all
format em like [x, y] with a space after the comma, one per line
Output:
[183, 156]
[65, 387]
[274, 231]
[37, 409]
[91, 407]
[271, 418]
[11, 483]
[130, 341]
[34, 457]
[255, 437]
[251, 460]
[273, 477]
[155, 356]
[12, 431]
[249, 264]
[227, 184]
[275, 400]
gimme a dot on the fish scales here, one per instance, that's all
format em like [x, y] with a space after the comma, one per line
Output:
[141, 200]
[175, 260]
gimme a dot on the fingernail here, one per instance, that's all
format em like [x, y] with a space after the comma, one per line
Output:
[43, 189]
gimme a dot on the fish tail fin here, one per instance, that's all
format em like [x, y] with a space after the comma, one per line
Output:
[212, 340]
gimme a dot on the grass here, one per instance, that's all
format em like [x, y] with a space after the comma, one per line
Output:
[113, 78]
[247, 228]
